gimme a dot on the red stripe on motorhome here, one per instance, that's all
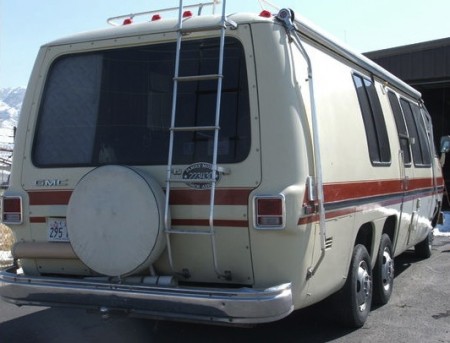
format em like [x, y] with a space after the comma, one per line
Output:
[38, 220]
[230, 197]
[358, 192]
[178, 222]
[49, 197]
[205, 222]
[334, 192]
[222, 197]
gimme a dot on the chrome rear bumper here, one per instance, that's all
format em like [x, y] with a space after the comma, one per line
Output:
[230, 306]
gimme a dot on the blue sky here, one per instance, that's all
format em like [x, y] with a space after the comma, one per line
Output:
[365, 25]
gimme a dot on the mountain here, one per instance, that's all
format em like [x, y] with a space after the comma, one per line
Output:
[10, 105]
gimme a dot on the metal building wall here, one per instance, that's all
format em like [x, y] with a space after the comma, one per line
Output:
[426, 67]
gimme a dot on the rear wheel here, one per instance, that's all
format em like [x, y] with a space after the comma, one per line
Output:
[423, 249]
[356, 296]
[383, 273]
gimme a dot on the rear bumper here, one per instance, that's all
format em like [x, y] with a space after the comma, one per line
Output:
[230, 306]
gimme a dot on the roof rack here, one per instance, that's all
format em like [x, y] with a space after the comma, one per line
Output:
[128, 18]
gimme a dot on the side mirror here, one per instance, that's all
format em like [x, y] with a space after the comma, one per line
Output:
[444, 148]
[445, 144]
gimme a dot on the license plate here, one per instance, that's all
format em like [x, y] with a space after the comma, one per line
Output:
[57, 230]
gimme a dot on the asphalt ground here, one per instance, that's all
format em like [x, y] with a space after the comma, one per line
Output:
[418, 311]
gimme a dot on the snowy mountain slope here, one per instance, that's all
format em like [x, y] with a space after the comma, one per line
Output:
[10, 105]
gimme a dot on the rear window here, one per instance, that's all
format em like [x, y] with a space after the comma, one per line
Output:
[115, 106]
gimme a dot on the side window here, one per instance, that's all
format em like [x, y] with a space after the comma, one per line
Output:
[376, 133]
[401, 128]
[429, 126]
[417, 132]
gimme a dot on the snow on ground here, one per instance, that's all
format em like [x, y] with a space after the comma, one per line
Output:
[444, 229]
[5, 258]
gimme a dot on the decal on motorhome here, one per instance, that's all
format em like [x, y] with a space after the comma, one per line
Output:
[200, 171]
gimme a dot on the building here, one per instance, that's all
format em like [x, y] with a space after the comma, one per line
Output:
[426, 67]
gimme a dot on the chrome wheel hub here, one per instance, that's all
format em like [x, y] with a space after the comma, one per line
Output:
[363, 286]
[387, 270]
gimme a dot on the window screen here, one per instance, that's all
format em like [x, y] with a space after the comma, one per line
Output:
[401, 127]
[417, 131]
[115, 106]
[375, 126]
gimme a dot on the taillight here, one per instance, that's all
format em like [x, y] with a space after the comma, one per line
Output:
[270, 212]
[12, 210]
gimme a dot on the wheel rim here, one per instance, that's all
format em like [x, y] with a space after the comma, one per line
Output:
[387, 270]
[363, 286]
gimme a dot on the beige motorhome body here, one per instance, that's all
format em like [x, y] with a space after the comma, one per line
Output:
[325, 170]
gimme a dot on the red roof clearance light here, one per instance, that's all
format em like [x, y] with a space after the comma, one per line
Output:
[156, 17]
[265, 14]
[187, 14]
[127, 21]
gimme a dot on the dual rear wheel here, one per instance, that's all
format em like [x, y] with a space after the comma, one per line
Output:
[364, 285]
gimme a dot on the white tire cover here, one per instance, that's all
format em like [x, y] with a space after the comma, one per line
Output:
[115, 220]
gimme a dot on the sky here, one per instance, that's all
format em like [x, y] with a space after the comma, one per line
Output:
[364, 25]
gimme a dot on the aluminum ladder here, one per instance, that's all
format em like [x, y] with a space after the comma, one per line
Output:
[170, 179]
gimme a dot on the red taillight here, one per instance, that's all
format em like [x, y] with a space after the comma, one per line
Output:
[269, 212]
[265, 14]
[156, 17]
[187, 14]
[12, 210]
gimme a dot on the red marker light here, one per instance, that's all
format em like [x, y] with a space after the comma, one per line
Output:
[156, 17]
[127, 21]
[187, 14]
[265, 14]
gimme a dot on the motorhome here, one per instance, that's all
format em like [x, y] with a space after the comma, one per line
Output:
[216, 168]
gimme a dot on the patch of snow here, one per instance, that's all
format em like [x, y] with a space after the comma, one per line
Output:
[443, 229]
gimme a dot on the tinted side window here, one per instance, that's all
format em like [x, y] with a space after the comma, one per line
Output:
[401, 127]
[417, 132]
[375, 126]
[114, 106]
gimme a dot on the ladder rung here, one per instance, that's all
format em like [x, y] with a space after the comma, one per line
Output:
[194, 128]
[205, 77]
[188, 232]
[193, 180]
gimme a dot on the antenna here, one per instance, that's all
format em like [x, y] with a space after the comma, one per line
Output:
[265, 2]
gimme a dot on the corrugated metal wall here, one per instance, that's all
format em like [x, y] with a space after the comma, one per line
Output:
[426, 67]
[418, 64]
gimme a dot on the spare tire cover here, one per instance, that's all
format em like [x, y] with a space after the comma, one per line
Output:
[115, 220]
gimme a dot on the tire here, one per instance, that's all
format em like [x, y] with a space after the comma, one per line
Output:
[115, 220]
[423, 249]
[383, 273]
[355, 299]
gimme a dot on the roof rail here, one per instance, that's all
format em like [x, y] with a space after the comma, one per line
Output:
[120, 20]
